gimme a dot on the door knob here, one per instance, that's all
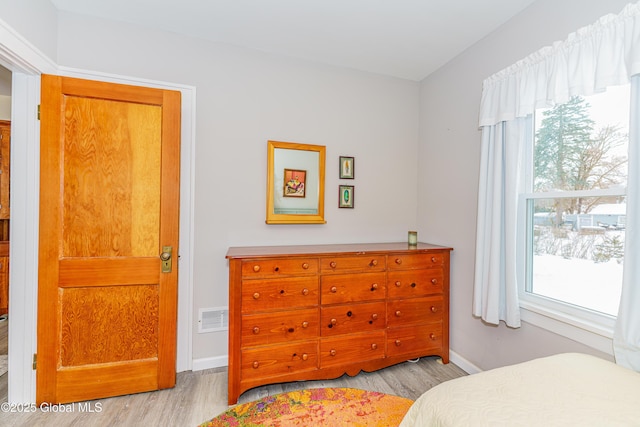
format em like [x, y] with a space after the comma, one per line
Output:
[165, 257]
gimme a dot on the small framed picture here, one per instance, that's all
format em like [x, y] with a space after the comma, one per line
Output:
[294, 183]
[345, 196]
[347, 167]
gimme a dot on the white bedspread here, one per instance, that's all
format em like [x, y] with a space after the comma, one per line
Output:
[564, 390]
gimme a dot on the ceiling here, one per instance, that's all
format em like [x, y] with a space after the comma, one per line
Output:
[403, 38]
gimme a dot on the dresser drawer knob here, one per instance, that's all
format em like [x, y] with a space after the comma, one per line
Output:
[256, 365]
[434, 309]
[305, 291]
[432, 336]
[333, 289]
[413, 285]
[305, 357]
[334, 321]
[332, 352]
[256, 295]
[332, 264]
[434, 281]
[349, 313]
[305, 325]
[398, 284]
[373, 263]
[374, 346]
[374, 287]
[305, 266]
[398, 261]
[434, 259]
[398, 313]
[398, 343]
[256, 330]
[256, 268]
[374, 316]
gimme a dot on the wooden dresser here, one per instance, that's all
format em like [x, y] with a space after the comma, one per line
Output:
[317, 312]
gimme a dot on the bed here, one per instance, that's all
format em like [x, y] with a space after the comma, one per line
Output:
[568, 389]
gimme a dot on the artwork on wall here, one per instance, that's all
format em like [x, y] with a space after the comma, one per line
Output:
[347, 165]
[346, 196]
[294, 183]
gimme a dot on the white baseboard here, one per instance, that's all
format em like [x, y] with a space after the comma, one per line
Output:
[210, 362]
[463, 363]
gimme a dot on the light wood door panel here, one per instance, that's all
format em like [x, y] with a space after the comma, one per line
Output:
[108, 206]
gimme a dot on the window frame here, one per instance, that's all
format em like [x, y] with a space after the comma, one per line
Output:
[589, 327]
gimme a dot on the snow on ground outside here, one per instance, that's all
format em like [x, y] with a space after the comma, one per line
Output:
[581, 282]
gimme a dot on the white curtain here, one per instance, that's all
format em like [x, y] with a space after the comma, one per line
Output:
[626, 339]
[495, 294]
[603, 54]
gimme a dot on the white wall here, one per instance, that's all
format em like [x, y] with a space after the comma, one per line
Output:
[34, 20]
[449, 165]
[245, 98]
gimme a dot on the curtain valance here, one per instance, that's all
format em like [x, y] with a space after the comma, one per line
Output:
[606, 53]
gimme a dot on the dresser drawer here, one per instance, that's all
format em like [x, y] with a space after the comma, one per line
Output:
[278, 360]
[279, 327]
[349, 349]
[343, 288]
[277, 294]
[405, 261]
[412, 283]
[279, 267]
[346, 319]
[358, 263]
[415, 310]
[419, 339]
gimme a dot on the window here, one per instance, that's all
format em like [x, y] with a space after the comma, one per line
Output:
[574, 211]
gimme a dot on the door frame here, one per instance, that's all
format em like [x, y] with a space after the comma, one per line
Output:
[26, 64]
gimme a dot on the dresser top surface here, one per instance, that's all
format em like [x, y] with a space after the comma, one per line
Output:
[342, 249]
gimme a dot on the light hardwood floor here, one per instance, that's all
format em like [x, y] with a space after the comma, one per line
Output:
[200, 396]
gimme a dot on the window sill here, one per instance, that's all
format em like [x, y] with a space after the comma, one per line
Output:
[594, 335]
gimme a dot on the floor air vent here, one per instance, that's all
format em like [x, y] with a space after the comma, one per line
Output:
[213, 319]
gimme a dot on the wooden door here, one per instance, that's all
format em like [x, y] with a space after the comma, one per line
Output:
[109, 201]
[5, 175]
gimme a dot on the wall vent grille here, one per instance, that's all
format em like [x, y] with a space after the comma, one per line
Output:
[213, 319]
